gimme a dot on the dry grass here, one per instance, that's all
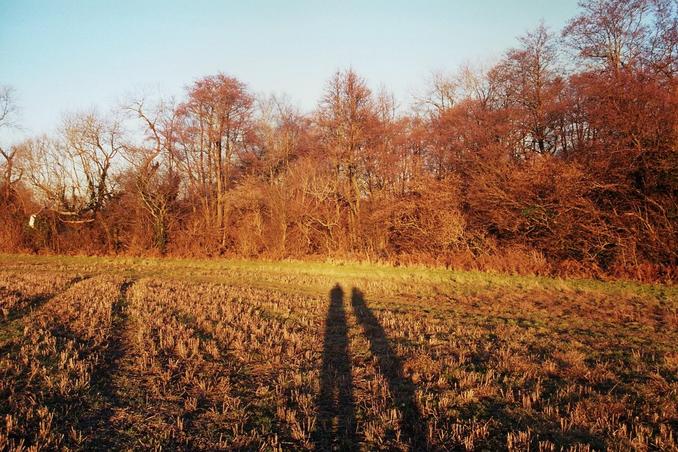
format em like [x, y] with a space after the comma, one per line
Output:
[46, 373]
[191, 355]
[23, 291]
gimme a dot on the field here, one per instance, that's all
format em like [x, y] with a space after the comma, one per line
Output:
[101, 354]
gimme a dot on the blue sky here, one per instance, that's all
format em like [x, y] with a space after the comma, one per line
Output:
[64, 56]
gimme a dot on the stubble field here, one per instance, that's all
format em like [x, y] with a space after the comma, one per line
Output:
[119, 354]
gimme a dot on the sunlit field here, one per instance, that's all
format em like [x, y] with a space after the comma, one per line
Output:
[103, 353]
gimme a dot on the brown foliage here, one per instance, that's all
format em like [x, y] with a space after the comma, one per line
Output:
[576, 169]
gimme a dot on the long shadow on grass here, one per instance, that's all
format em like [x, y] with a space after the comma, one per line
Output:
[336, 394]
[402, 388]
[33, 302]
[12, 326]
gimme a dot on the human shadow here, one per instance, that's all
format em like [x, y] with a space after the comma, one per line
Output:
[335, 400]
[401, 388]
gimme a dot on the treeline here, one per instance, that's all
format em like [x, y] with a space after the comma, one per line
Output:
[561, 158]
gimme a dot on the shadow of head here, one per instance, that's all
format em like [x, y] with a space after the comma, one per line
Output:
[337, 293]
[357, 296]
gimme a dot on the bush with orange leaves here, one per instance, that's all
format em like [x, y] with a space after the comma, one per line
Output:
[543, 204]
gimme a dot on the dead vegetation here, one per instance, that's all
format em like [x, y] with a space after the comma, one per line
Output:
[154, 362]
[46, 373]
[557, 159]
[19, 292]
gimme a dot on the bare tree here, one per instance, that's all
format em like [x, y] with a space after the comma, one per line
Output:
[72, 174]
[156, 180]
[440, 95]
[91, 145]
[8, 110]
[619, 33]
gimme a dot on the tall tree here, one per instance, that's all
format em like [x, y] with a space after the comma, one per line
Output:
[614, 34]
[532, 84]
[347, 120]
[156, 179]
[216, 131]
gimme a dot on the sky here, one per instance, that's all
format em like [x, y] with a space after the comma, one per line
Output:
[64, 56]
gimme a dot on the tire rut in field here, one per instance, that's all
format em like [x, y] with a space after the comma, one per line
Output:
[96, 423]
[126, 409]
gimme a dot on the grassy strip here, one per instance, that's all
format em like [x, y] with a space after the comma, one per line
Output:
[317, 277]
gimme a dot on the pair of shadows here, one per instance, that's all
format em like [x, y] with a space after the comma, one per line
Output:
[335, 400]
